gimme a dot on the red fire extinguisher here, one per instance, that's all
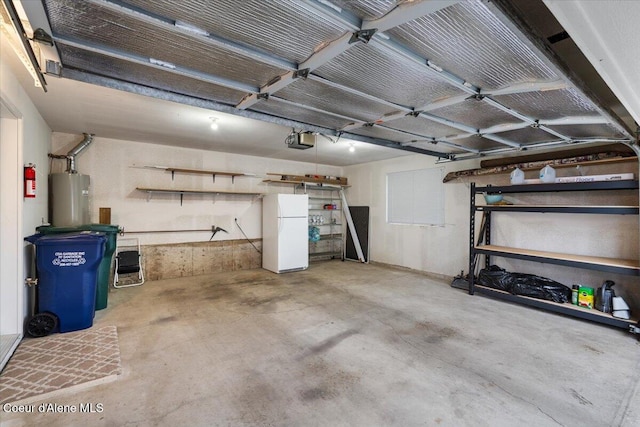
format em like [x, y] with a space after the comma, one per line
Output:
[30, 181]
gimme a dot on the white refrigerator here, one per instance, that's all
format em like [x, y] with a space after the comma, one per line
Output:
[285, 232]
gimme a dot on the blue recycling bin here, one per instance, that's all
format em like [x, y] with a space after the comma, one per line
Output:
[67, 267]
[104, 270]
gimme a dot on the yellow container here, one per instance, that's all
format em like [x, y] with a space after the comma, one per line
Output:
[585, 297]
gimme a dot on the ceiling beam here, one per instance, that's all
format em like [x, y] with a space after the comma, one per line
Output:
[405, 12]
[469, 129]
[457, 146]
[527, 87]
[334, 14]
[428, 65]
[472, 90]
[576, 120]
[447, 122]
[90, 78]
[319, 58]
[152, 63]
[394, 145]
[317, 110]
[537, 146]
[201, 35]
[509, 90]
[398, 16]
[506, 127]
[350, 23]
[524, 118]
[489, 132]
[356, 92]
[458, 99]
[501, 140]
[506, 13]
[174, 69]
[442, 103]
[431, 140]
[460, 136]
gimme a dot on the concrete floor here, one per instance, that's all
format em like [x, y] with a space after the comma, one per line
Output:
[347, 344]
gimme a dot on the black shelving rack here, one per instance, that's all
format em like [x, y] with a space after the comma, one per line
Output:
[626, 267]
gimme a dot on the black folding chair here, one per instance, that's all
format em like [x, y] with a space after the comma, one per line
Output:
[128, 262]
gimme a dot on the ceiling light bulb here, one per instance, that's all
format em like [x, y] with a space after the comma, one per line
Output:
[352, 148]
[214, 123]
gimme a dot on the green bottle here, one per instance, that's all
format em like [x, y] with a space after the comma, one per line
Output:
[575, 289]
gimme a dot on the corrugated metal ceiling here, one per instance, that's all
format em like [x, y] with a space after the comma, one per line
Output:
[450, 79]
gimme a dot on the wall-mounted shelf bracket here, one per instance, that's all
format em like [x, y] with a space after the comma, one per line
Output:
[150, 192]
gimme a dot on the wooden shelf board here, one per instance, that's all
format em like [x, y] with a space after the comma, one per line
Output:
[506, 169]
[609, 262]
[624, 184]
[207, 172]
[281, 181]
[569, 306]
[589, 209]
[590, 163]
[320, 185]
[178, 191]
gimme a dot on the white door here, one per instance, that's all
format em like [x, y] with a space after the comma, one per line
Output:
[11, 286]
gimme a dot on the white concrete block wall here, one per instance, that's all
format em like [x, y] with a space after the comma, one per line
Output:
[113, 181]
[443, 250]
[435, 249]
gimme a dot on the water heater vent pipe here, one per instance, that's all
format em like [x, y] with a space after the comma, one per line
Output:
[71, 155]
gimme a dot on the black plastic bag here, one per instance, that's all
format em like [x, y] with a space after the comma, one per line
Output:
[528, 285]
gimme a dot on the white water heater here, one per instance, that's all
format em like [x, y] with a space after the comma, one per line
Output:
[69, 199]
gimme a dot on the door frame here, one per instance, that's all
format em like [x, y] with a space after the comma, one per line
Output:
[11, 228]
